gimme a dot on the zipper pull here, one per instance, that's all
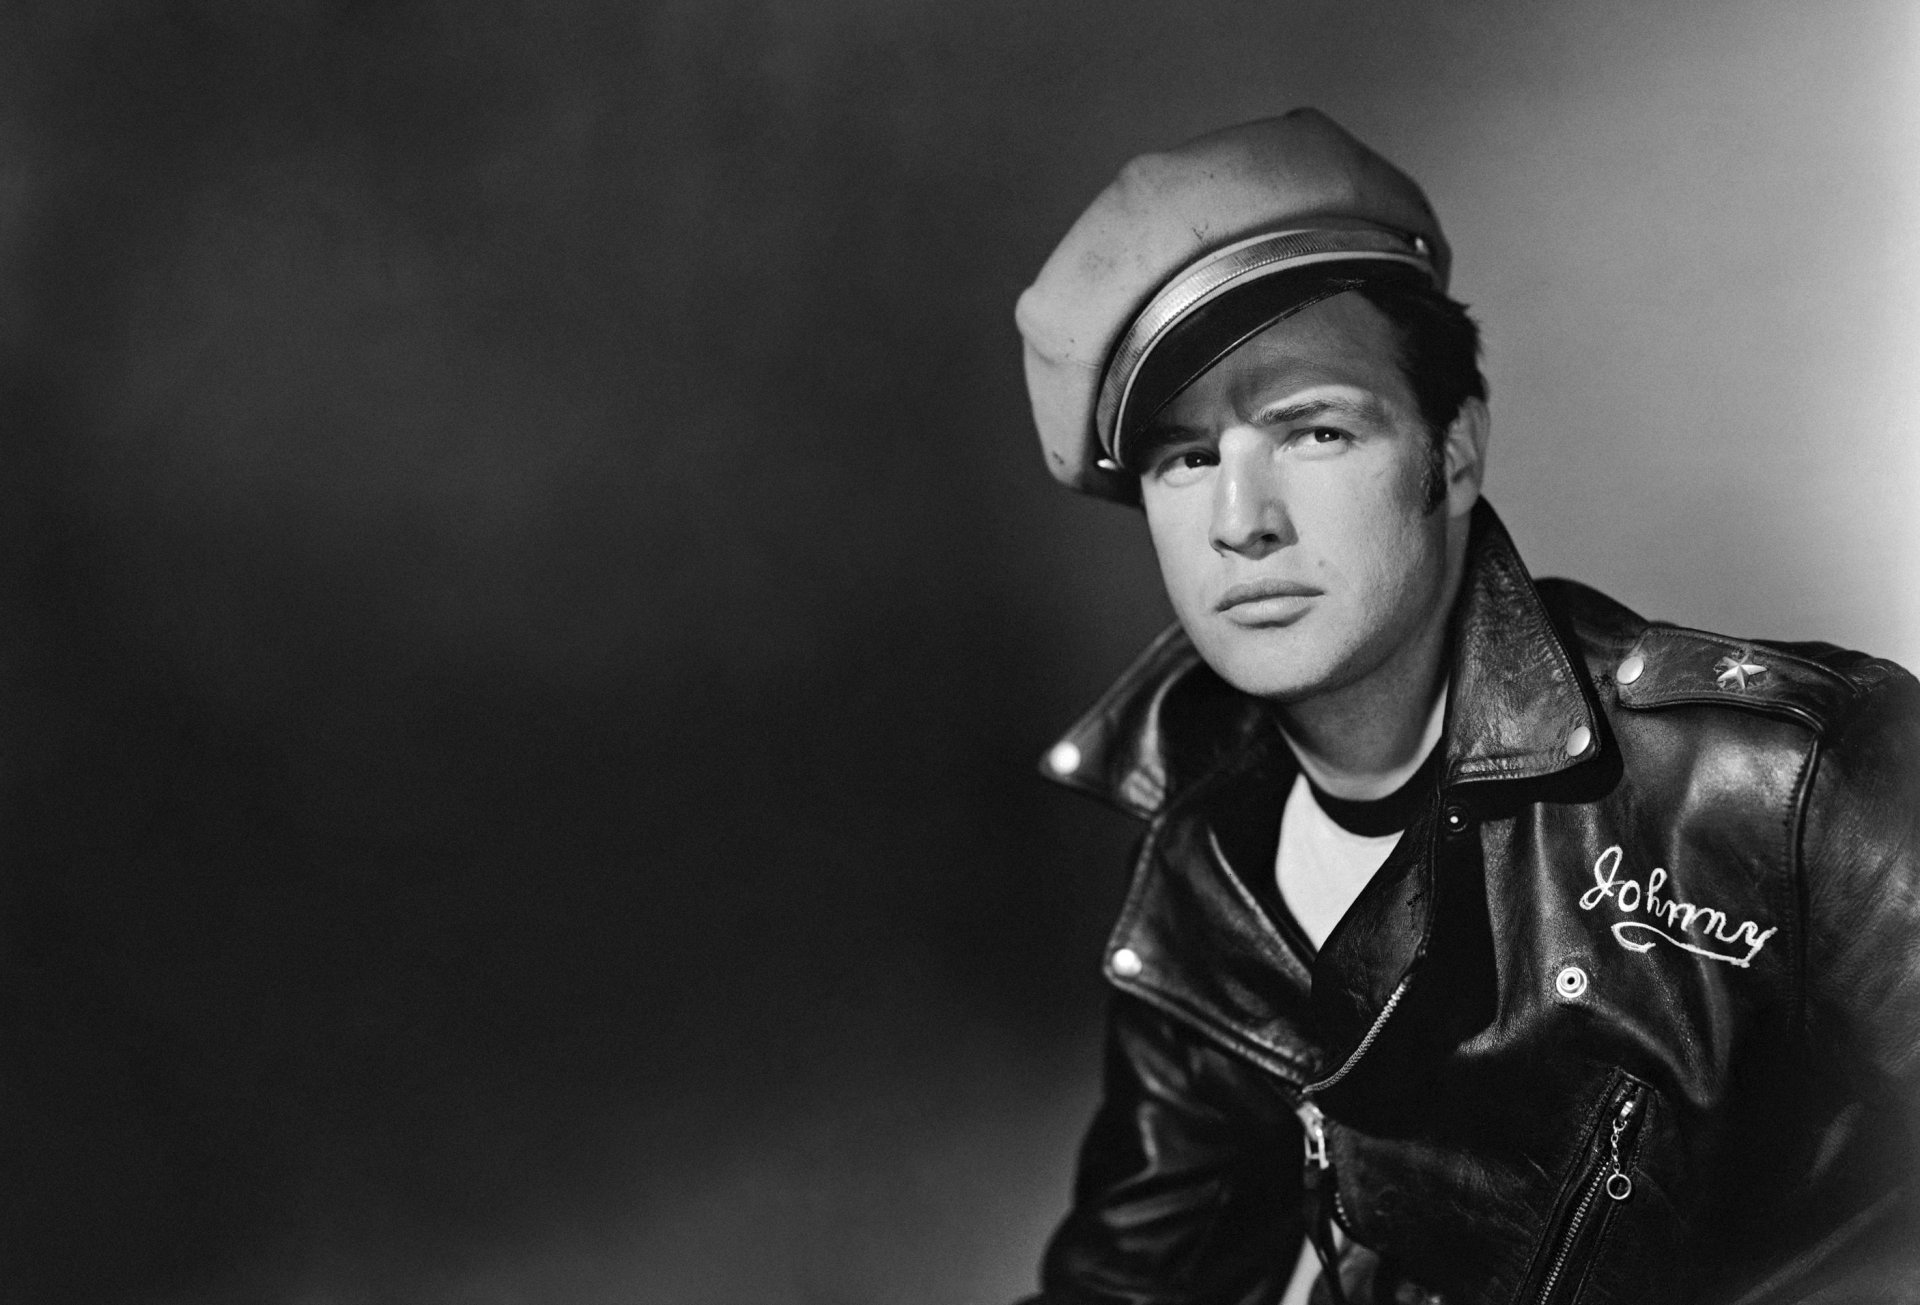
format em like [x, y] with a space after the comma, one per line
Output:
[1320, 1198]
[1619, 1186]
[1316, 1135]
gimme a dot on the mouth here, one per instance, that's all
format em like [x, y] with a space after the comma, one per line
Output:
[1258, 591]
[1267, 602]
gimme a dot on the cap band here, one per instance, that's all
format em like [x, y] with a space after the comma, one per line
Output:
[1229, 269]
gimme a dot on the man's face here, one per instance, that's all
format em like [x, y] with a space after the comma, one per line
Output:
[1286, 491]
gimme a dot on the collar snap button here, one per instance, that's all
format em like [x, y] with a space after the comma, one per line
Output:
[1126, 963]
[1578, 739]
[1456, 819]
[1631, 667]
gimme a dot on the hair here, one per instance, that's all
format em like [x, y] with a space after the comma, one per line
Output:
[1439, 356]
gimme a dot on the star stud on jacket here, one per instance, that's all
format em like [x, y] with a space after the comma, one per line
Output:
[1738, 672]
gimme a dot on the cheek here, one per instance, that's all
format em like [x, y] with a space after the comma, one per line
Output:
[1375, 536]
[1180, 544]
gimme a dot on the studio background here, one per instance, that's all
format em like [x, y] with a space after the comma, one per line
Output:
[531, 599]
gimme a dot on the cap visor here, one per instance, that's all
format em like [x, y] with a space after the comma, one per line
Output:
[1192, 346]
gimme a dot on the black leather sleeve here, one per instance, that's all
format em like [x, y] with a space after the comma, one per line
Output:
[1861, 868]
[1188, 1187]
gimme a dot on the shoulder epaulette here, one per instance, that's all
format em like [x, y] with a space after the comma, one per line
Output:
[1671, 666]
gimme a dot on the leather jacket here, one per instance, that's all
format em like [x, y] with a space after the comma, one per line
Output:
[1630, 1014]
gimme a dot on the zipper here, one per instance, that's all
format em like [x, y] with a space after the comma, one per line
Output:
[1353, 1058]
[1379, 1022]
[1608, 1182]
[1386, 1011]
[1321, 1184]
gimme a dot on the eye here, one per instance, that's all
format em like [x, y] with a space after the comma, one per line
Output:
[1322, 439]
[1183, 466]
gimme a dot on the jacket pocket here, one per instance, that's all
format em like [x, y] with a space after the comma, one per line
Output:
[1602, 1183]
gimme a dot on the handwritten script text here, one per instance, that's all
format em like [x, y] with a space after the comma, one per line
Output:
[1686, 925]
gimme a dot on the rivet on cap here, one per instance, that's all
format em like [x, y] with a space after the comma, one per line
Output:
[1126, 963]
[1106, 464]
[1577, 740]
[1570, 982]
[1064, 759]
[1630, 668]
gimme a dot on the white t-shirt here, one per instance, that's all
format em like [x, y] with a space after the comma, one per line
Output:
[1322, 867]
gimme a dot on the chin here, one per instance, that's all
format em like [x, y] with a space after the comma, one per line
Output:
[1268, 664]
[1280, 689]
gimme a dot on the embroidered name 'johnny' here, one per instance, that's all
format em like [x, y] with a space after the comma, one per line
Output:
[1683, 924]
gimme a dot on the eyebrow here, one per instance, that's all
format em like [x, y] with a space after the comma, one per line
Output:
[1366, 409]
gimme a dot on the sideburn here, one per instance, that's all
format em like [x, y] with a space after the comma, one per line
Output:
[1436, 472]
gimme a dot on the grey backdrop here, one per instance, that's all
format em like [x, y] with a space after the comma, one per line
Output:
[530, 600]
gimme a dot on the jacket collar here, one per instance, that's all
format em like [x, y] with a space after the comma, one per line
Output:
[1519, 709]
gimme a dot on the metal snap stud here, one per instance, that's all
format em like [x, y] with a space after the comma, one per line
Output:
[1571, 982]
[1456, 819]
[1578, 738]
[1126, 963]
[1630, 668]
[1064, 759]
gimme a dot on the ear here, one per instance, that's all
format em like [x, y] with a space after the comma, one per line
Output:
[1465, 447]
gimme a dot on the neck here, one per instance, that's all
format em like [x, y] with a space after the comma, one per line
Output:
[1364, 762]
[1363, 740]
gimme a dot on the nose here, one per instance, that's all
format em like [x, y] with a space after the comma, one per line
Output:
[1249, 513]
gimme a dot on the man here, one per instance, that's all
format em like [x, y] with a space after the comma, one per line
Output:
[1579, 955]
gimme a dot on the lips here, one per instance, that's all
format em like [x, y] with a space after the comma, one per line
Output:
[1249, 592]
